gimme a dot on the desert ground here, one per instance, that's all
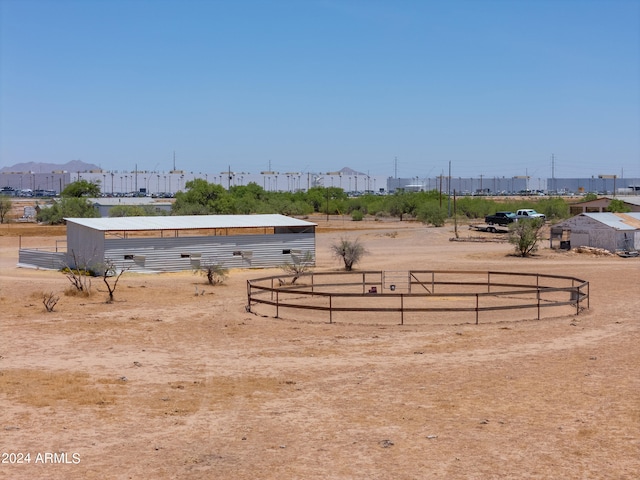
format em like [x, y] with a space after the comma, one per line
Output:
[163, 383]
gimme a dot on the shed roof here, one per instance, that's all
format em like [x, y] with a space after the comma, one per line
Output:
[188, 222]
[619, 221]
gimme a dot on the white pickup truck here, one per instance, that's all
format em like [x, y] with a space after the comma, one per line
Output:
[529, 213]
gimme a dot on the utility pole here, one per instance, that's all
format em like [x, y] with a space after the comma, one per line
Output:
[449, 191]
[553, 175]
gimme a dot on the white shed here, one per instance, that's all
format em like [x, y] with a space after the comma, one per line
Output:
[611, 231]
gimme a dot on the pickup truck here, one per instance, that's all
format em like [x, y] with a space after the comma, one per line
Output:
[500, 218]
[529, 213]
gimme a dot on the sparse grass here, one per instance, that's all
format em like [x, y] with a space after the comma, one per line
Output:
[74, 292]
[185, 398]
[50, 388]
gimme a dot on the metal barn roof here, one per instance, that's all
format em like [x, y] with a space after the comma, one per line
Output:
[619, 221]
[188, 222]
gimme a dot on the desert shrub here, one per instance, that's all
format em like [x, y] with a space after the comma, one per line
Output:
[299, 265]
[357, 215]
[432, 213]
[215, 272]
[525, 235]
[350, 251]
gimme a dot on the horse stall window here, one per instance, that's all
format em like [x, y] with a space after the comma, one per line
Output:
[286, 252]
[185, 255]
[237, 253]
[128, 257]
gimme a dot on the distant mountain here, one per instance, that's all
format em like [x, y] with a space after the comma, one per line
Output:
[40, 167]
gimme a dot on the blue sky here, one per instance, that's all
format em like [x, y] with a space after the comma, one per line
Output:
[494, 87]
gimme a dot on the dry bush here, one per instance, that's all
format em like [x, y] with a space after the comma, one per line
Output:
[74, 292]
[50, 300]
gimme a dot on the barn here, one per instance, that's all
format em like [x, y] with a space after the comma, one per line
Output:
[177, 243]
[616, 232]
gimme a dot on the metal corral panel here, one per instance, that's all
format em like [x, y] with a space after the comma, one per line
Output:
[188, 222]
[187, 253]
[41, 259]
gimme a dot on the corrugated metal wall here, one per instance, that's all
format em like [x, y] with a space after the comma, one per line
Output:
[86, 245]
[42, 259]
[187, 253]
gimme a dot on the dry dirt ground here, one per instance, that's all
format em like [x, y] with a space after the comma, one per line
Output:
[166, 384]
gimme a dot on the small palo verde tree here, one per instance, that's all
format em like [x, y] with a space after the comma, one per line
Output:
[299, 265]
[525, 235]
[350, 251]
[215, 273]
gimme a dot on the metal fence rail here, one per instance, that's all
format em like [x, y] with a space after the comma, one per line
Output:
[421, 291]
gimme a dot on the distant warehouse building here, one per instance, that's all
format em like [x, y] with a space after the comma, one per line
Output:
[177, 243]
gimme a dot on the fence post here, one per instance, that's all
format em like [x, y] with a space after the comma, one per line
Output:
[477, 302]
[402, 309]
[588, 296]
[330, 310]
[277, 304]
[538, 296]
[249, 294]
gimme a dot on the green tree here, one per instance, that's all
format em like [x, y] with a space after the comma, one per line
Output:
[432, 213]
[81, 188]
[525, 235]
[400, 204]
[553, 207]
[202, 198]
[70, 207]
[5, 207]
[617, 205]
[132, 211]
[589, 197]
